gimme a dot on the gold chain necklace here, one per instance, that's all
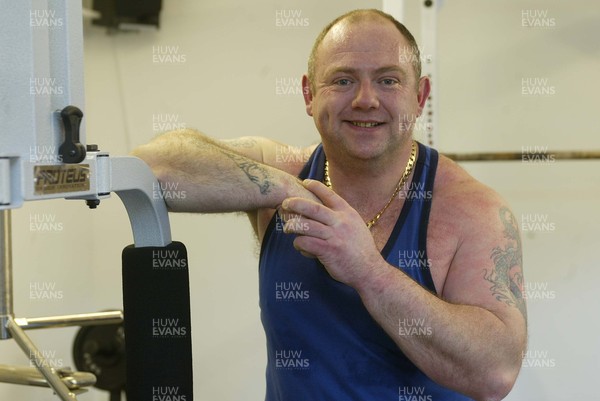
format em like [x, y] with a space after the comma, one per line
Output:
[407, 170]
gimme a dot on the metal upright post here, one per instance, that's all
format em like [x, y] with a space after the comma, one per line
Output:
[429, 10]
[6, 289]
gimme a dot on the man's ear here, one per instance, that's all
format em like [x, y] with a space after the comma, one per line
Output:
[307, 93]
[423, 94]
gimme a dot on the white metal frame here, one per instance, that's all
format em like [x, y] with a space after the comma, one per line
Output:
[41, 74]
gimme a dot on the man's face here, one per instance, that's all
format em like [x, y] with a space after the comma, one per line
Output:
[366, 95]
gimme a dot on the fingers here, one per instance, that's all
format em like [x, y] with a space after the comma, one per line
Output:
[313, 222]
[324, 212]
[293, 208]
[302, 226]
[308, 247]
[325, 194]
[307, 255]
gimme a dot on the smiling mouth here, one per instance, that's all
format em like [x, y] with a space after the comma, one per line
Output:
[365, 124]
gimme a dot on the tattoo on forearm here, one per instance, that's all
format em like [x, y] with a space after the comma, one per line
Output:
[255, 172]
[506, 276]
[241, 143]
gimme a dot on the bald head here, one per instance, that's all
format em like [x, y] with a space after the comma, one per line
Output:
[355, 17]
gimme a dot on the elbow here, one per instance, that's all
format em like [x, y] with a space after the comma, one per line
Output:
[165, 152]
[147, 153]
[498, 385]
[150, 154]
[499, 379]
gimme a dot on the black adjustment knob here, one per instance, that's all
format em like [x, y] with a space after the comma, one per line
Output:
[71, 151]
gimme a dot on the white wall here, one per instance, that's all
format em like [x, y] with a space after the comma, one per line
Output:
[236, 62]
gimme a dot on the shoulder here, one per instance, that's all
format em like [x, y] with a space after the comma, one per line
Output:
[467, 220]
[462, 199]
[486, 266]
[463, 212]
[482, 226]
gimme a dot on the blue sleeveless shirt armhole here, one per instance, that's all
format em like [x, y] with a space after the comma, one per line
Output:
[322, 344]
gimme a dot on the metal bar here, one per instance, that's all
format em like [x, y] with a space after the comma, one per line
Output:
[30, 376]
[83, 319]
[22, 375]
[524, 156]
[6, 289]
[36, 357]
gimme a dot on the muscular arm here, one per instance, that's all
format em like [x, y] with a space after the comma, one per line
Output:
[472, 343]
[473, 334]
[199, 174]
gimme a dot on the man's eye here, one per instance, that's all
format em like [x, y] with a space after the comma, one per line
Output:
[343, 82]
[389, 81]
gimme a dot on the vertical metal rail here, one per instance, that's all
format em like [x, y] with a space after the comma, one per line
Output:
[6, 288]
[429, 63]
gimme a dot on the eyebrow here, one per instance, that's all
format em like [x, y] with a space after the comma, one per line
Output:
[380, 70]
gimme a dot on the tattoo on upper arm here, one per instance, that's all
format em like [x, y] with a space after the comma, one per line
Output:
[255, 172]
[507, 276]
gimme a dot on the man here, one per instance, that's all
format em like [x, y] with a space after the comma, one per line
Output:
[388, 271]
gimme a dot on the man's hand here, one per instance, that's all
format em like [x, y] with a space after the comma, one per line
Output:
[333, 232]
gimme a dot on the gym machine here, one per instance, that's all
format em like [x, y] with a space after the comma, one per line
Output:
[44, 155]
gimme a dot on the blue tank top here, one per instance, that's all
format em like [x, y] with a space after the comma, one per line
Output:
[322, 344]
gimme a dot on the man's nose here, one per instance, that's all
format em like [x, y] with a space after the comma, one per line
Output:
[365, 97]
